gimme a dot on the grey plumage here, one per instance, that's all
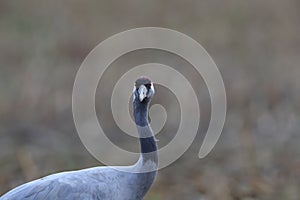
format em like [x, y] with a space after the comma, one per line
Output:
[97, 183]
[103, 183]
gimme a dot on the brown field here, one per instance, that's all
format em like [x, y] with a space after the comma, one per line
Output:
[255, 44]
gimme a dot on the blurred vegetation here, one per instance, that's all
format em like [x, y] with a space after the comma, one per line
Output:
[255, 44]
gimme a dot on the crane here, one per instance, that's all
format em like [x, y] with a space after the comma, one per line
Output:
[104, 183]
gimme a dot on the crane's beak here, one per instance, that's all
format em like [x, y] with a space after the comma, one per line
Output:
[142, 92]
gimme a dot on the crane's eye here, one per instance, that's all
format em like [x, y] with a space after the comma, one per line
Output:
[148, 86]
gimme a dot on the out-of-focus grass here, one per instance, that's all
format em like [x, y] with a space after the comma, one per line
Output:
[153, 196]
[255, 44]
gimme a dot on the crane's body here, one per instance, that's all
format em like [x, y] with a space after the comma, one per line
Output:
[103, 183]
[96, 183]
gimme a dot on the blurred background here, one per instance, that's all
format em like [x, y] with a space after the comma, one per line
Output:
[255, 44]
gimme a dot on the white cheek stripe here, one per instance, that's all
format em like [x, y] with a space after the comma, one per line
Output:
[152, 88]
[134, 88]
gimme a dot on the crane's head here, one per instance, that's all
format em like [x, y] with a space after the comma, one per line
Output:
[143, 89]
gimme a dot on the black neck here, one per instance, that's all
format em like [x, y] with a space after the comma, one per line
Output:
[148, 145]
[147, 140]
